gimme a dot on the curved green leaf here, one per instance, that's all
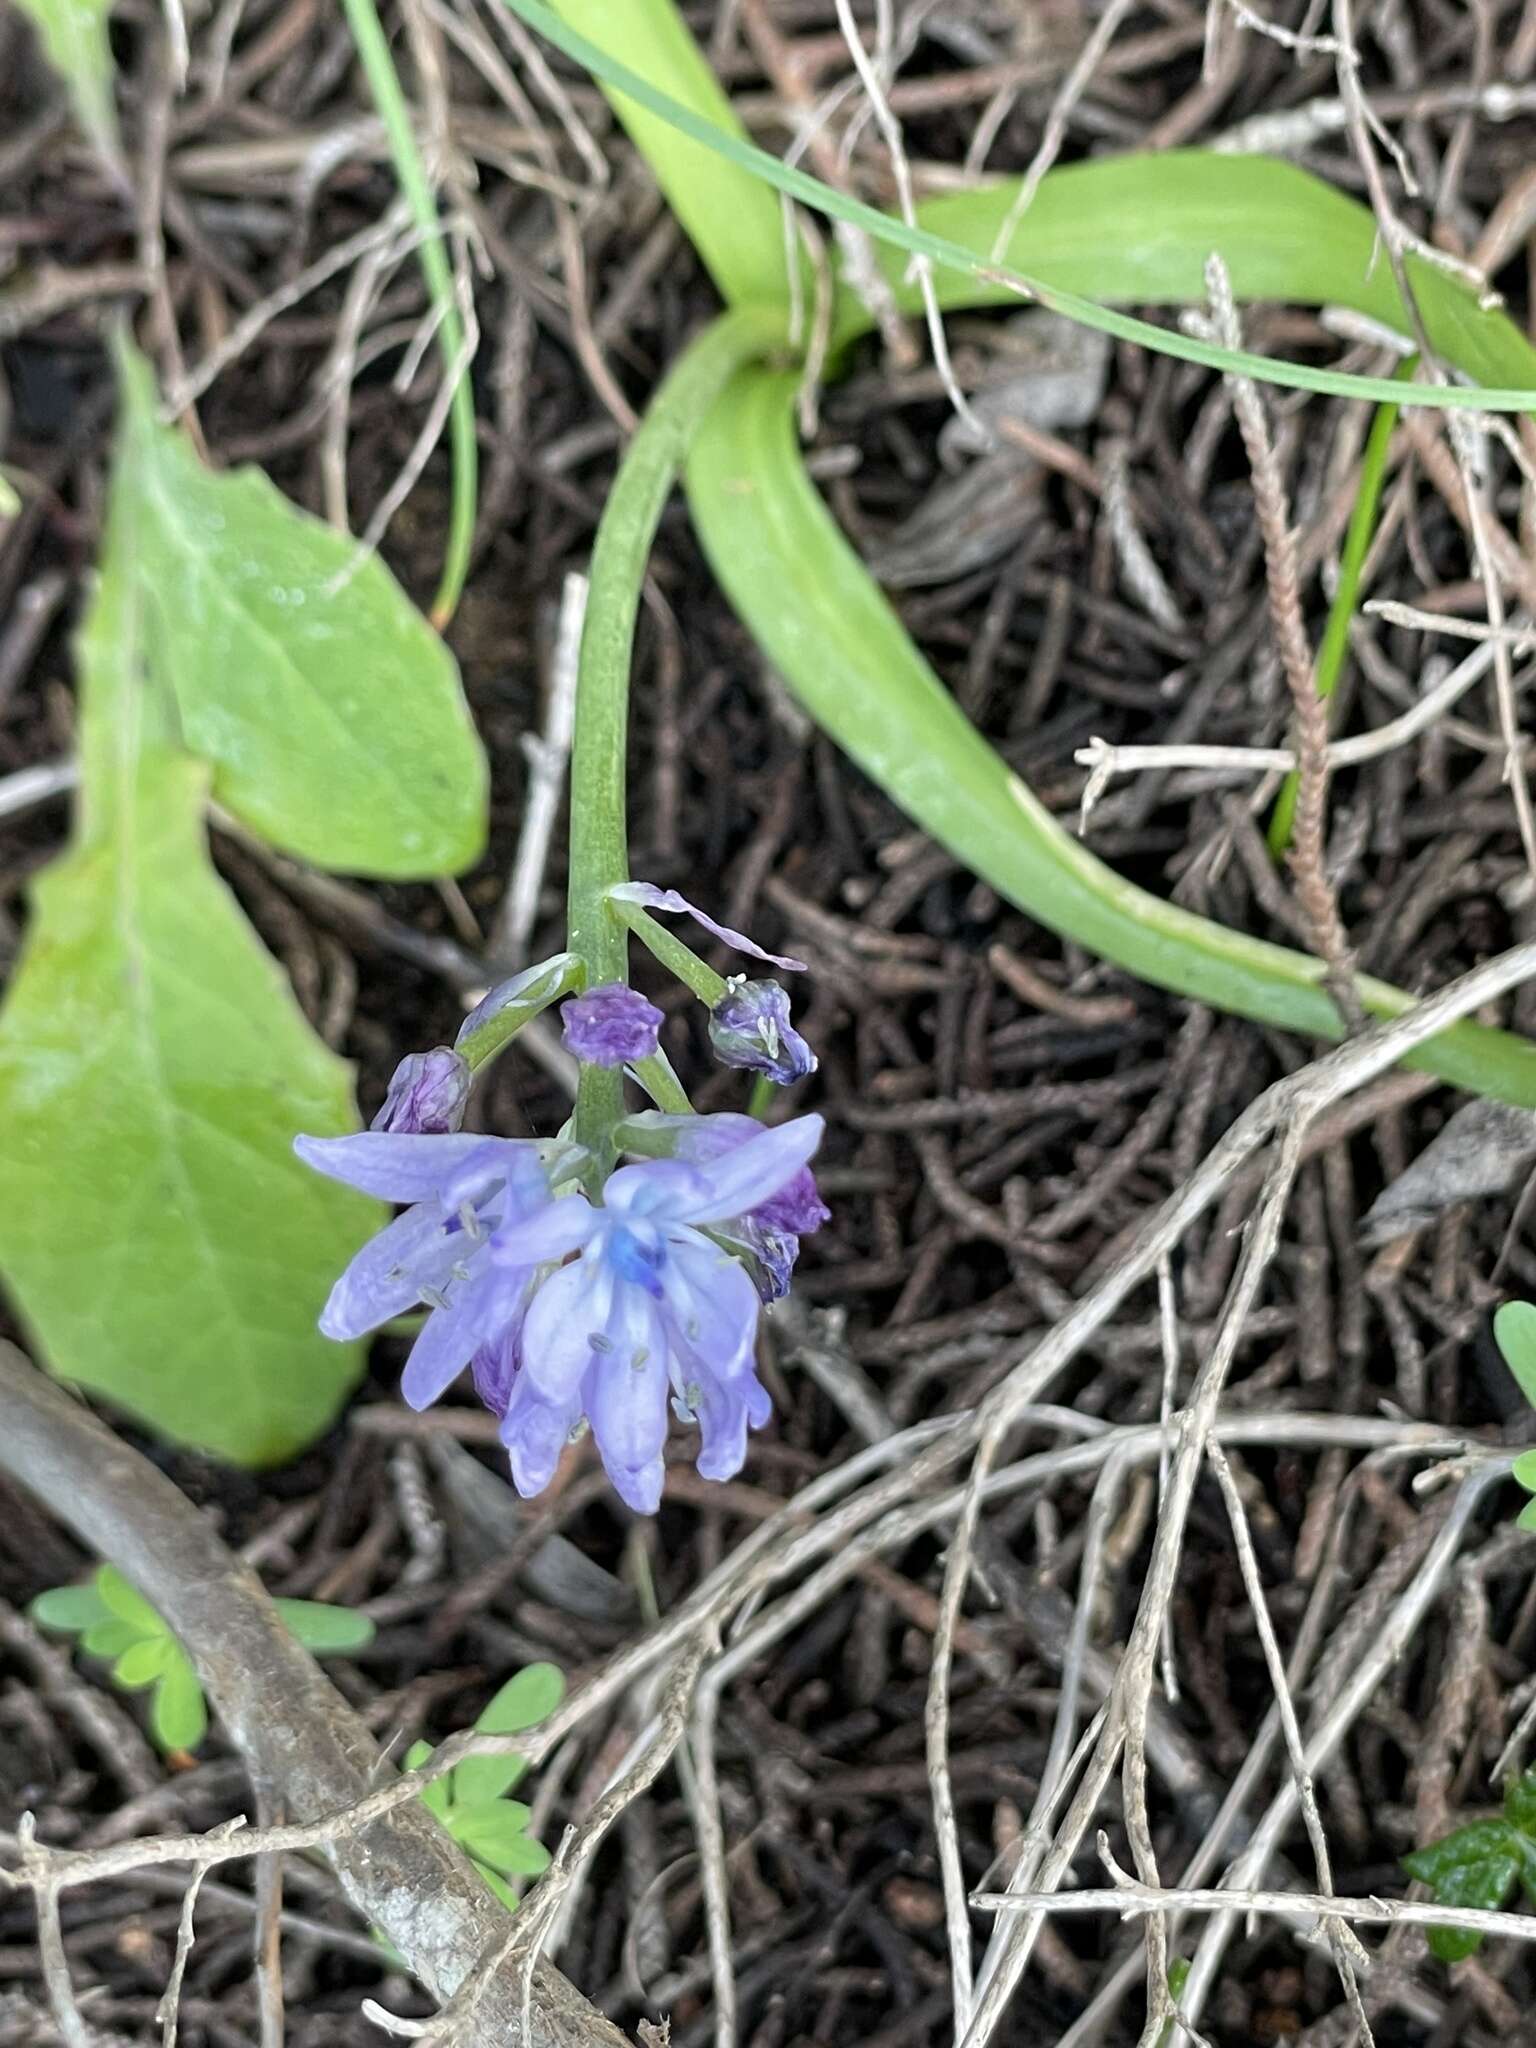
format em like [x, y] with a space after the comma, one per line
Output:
[1137, 230]
[143, 1662]
[733, 221]
[324, 1629]
[529, 1696]
[1476, 1866]
[161, 1239]
[112, 1637]
[816, 613]
[491, 1830]
[1514, 1331]
[124, 1599]
[330, 711]
[178, 1714]
[70, 1608]
[988, 282]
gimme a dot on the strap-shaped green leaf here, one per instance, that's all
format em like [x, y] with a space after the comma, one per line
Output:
[813, 608]
[1514, 1331]
[328, 709]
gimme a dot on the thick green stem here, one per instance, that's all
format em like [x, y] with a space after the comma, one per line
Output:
[416, 188]
[599, 856]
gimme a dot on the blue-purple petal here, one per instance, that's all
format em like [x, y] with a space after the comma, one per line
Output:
[392, 1166]
[550, 1232]
[476, 1311]
[743, 1179]
[389, 1274]
[569, 1308]
[535, 1432]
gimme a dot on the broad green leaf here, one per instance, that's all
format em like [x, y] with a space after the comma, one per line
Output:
[144, 1661]
[490, 1830]
[161, 1239]
[814, 610]
[70, 1607]
[74, 35]
[326, 1629]
[530, 1696]
[328, 709]
[178, 1714]
[112, 1637]
[1524, 1469]
[1514, 1331]
[126, 1601]
[1526, 1519]
[1476, 1866]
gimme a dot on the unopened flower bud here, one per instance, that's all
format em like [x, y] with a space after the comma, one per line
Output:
[749, 1027]
[427, 1094]
[610, 1026]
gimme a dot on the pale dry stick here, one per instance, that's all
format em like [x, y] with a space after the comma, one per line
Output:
[1519, 637]
[1129, 1898]
[427, 438]
[1253, 1585]
[1091, 2024]
[176, 39]
[546, 755]
[336, 373]
[253, 322]
[168, 2011]
[1288, 39]
[73, 2031]
[1054, 134]
[1105, 761]
[1168, 1338]
[901, 1526]
[1347, 1705]
[1308, 850]
[288, 1721]
[1471, 457]
[1305, 1095]
[922, 269]
[1138, 565]
[531, 61]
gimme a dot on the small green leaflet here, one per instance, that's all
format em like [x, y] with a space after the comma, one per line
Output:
[74, 34]
[1514, 1331]
[470, 1800]
[1480, 1865]
[163, 1243]
[112, 1619]
[328, 709]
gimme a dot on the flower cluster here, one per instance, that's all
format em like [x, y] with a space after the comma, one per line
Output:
[577, 1298]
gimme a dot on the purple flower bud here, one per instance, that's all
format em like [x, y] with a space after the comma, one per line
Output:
[610, 1026]
[427, 1094]
[749, 1027]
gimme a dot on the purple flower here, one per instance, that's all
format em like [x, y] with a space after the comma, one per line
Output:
[611, 1025]
[648, 897]
[464, 1193]
[749, 1027]
[768, 1234]
[427, 1094]
[652, 1305]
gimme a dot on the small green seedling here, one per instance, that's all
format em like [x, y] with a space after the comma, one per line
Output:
[471, 1800]
[112, 1620]
[1514, 1331]
[1480, 1865]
